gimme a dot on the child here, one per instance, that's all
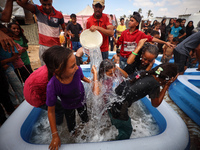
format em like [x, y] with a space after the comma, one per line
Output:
[116, 57]
[176, 30]
[65, 83]
[157, 28]
[145, 83]
[168, 51]
[22, 41]
[155, 34]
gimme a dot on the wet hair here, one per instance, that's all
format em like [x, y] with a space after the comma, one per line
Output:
[56, 58]
[105, 66]
[21, 34]
[169, 70]
[154, 32]
[121, 19]
[118, 50]
[151, 49]
[72, 16]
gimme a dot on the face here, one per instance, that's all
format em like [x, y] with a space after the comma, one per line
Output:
[172, 21]
[177, 24]
[122, 21]
[73, 20]
[15, 29]
[71, 67]
[47, 6]
[157, 27]
[170, 38]
[183, 23]
[190, 24]
[147, 58]
[98, 9]
[133, 23]
[164, 21]
[110, 72]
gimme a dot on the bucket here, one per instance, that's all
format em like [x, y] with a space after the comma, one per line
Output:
[90, 40]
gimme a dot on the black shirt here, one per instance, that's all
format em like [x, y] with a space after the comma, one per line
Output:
[75, 29]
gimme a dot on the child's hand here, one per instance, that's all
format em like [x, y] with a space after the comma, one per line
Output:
[172, 80]
[94, 70]
[170, 45]
[141, 42]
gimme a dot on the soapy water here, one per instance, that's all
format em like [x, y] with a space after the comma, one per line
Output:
[99, 127]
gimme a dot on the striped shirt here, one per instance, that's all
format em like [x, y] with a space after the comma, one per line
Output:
[48, 26]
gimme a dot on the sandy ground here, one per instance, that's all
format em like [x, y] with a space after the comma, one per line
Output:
[193, 128]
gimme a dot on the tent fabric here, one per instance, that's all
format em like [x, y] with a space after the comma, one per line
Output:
[88, 11]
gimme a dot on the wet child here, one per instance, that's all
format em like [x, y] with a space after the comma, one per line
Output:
[116, 57]
[168, 51]
[66, 84]
[19, 38]
[129, 91]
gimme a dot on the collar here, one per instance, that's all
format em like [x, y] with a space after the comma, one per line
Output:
[101, 19]
[51, 14]
[128, 31]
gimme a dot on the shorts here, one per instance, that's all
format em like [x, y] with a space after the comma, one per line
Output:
[180, 60]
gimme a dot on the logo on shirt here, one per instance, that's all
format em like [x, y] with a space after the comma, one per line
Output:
[129, 46]
[55, 20]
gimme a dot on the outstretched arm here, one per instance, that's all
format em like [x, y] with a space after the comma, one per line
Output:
[26, 5]
[95, 89]
[86, 80]
[163, 42]
[6, 13]
[108, 31]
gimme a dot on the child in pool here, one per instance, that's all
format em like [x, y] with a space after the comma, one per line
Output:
[65, 83]
[22, 41]
[146, 83]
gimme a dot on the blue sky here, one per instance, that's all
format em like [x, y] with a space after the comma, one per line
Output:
[160, 8]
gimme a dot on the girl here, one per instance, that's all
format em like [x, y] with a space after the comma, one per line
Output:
[145, 83]
[189, 28]
[22, 41]
[65, 83]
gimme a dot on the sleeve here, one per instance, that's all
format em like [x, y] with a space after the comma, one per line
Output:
[80, 27]
[81, 73]
[87, 24]
[117, 27]
[121, 39]
[108, 21]
[36, 11]
[62, 20]
[51, 94]
[68, 27]
[149, 37]
[182, 31]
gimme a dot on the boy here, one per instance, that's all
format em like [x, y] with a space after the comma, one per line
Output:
[74, 29]
[168, 51]
[116, 57]
[154, 34]
[176, 30]
[129, 39]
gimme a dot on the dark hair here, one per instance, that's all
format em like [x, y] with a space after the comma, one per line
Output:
[169, 70]
[170, 21]
[105, 65]
[154, 32]
[56, 58]
[179, 20]
[118, 50]
[149, 30]
[121, 19]
[151, 49]
[111, 15]
[175, 39]
[21, 34]
[72, 16]
[154, 21]
[163, 21]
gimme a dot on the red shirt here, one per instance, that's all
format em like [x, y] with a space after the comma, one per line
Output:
[129, 41]
[103, 22]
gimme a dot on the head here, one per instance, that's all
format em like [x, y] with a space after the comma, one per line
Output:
[178, 22]
[149, 53]
[190, 24]
[164, 72]
[106, 67]
[170, 38]
[175, 40]
[111, 16]
[163, 21]
[183, 22]
[135, 20]
[171, 20]
[47, 6]
[98, 6]
[154, 22]
[155, 34]
[6, 30]
[73, 18]
[60, 61]
[148, 31]
[149, 22]
[157, 25]
[122, 21]
[118, 52]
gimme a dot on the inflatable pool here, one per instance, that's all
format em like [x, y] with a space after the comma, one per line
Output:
[15, 132]
[185, 92]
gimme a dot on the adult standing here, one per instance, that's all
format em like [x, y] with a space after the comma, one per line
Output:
[48, 19]
[182, 25]
[189, 28]
[111, 40]
[162, 29]
[74, 29]
[101, 22]
[168, 28]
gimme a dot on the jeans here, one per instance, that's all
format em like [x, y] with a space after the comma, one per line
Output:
[122, 62]
[16, 85]
[76, 45]
[104, 55]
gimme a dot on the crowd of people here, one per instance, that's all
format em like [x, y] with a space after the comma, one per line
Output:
[60, 74]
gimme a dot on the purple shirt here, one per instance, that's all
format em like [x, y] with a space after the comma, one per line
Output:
[71, 95]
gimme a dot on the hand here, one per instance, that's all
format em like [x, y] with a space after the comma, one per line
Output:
[170, 45]
[94, 70]
[21, 1]
[72, 35]
[7, 42]
[171, 80]
[141, 42]
[55, 143]
[93, 28]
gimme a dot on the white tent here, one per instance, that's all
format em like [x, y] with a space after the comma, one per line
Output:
[88, 11]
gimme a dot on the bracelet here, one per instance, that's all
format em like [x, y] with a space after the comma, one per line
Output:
[134, 53]
[54, 133]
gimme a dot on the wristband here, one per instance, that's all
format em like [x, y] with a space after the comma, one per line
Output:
[134, 53]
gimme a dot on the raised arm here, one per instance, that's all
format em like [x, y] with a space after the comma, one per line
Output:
[132, 56]
[95, 89]
[26, 5]
[6, 13]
